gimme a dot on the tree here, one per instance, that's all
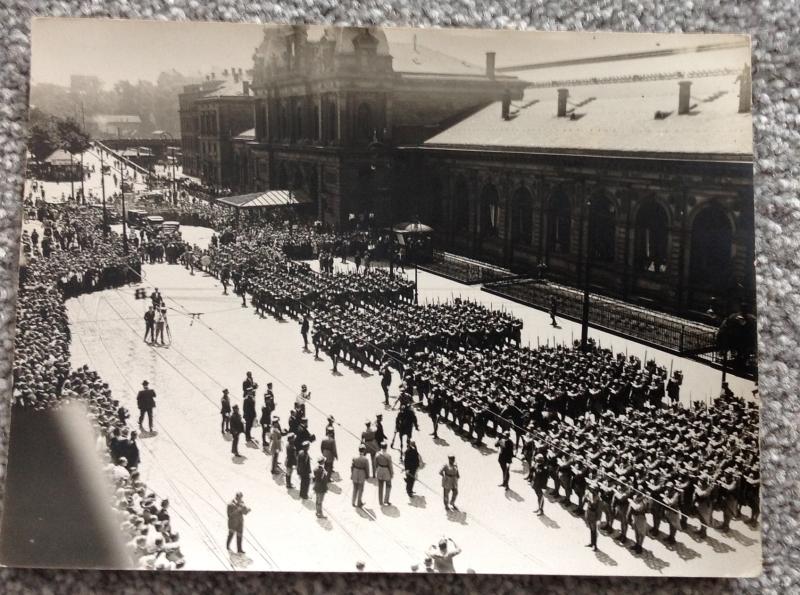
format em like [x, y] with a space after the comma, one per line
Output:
[72, 137]
[43, 136]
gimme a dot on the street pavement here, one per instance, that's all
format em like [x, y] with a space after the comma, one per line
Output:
[189, 461]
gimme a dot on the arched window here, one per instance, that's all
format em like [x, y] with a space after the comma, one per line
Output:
[712, 247]
[364, 122]
[651, 238]
[559, 219]
[522, 217]
[602, 230]
[489, 211]
[461, 207]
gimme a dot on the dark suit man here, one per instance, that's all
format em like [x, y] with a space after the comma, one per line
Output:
[248, 385]
[304, 469]
[146, 401]
[505, 457]
[236, 512]
[236, 427]
[149, 324]
[411, 464]
[249, 415]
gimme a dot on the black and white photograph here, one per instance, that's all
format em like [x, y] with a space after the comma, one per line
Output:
[367, 299]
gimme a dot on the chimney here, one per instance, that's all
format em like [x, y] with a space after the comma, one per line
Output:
[490, 64]
[506, 113]
[684, 97]
[225, 73]
[245, 87]
[213, 76]
[235, 75]
[563, 94]
[745, 90]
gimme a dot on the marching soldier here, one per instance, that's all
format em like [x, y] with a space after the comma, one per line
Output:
[540, 475]
[638, 508]
[592, 513]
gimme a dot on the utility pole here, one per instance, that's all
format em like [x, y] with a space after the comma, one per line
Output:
[124, 214]
[587, 247]
[71, 176]
[103, 194]
[83, 118]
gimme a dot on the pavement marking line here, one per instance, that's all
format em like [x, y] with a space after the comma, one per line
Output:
[268, 558]
[500, 536]
[127, 381]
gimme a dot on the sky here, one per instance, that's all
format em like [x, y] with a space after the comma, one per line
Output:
[139, 50]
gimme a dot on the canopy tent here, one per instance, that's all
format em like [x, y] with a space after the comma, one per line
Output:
[415, 240]
[261, 200]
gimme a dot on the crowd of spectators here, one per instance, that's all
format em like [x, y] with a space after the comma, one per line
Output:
[80, 259]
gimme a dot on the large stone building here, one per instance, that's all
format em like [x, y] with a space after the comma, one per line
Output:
[212, 113]
[648, 178]
[331, 106]
[640, 167]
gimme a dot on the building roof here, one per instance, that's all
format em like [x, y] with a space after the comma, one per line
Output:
[414, 58]
[616, 116]
[270, 198]
[116, 119]
[59, 157]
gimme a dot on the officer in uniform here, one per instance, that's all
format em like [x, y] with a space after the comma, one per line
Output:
[359, 471]
[384, 472]
[450, 477]
[321, 478]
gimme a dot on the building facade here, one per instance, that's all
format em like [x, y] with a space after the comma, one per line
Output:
[332, 105]
[642, 181]
[212, 114]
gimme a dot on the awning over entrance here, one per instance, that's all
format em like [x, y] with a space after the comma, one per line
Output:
[270, 198]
